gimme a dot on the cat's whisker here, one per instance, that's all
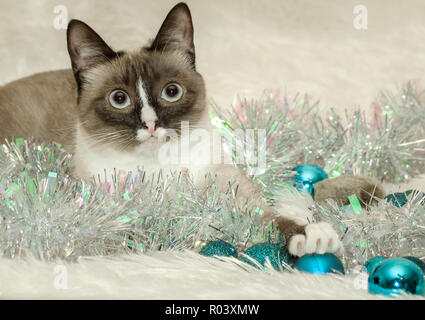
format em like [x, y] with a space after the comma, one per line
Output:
[104, 140]
[107, 134]
[129, 141]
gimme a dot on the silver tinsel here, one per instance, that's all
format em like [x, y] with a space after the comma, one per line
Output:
[48, 214]
[383, 230]
[390, 147]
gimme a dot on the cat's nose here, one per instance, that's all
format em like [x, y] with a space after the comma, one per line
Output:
[150, 127]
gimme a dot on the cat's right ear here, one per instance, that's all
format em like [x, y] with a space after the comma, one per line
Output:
[86, 48]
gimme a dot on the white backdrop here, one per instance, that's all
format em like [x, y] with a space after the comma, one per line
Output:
[243, 46]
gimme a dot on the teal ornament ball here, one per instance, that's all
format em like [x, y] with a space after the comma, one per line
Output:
[308, 175]
[394, 275]
[261, 252]
[319, 264]
[399, 199]
[219, 248]
[418, 262]
[371, 263]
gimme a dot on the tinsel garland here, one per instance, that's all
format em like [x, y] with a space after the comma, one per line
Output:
[383, 230]
[390, 147]
[48, 214]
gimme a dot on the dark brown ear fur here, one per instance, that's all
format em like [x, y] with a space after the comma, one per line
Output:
[86, 48]
[176, 32]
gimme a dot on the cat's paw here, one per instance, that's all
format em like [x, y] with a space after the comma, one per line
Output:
[319, 238]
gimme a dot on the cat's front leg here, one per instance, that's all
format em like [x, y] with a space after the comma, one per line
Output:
[304, 236]
[292, 215]
[317, 237]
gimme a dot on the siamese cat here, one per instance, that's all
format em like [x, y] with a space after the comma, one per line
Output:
[115, 110]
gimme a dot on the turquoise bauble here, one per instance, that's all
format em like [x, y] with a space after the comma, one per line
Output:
[418, 262]
[371, 263]
[394, 275]
[219, 248]
[308, 175]
[260, 252]
[319, 264]
[399, 199]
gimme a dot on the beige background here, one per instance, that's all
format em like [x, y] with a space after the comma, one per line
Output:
[243, 46]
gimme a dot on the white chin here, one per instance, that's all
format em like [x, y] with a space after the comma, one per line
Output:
[150, 142]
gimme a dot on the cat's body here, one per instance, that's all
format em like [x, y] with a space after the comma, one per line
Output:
[117, 110]
[42, 106]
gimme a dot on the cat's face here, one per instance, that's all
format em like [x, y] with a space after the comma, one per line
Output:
[131, 100]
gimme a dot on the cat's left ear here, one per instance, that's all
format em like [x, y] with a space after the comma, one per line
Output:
[176, 32]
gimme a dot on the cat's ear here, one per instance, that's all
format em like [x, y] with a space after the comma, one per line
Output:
[176, 32]
[86, 48]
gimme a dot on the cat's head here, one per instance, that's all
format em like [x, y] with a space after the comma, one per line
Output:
[127, 100]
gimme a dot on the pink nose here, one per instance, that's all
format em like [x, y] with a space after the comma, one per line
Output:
[151, 127]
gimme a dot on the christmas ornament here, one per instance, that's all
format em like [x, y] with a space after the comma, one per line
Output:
[371, 263]
[394, 275]
[319, 264]
[307, 175]
[261, 252]
[399, 199]
[418, 262]
[219, 248]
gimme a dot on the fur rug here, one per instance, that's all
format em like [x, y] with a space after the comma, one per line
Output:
[243, 46]
[169, 275]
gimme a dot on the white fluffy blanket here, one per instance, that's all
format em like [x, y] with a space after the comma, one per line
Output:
[243, 46]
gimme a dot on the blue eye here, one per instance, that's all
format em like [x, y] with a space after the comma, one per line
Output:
[119, 99]
[172, 92]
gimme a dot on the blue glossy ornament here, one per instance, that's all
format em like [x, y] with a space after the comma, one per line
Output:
[418, 262]
[219, 248]
[260, 252]
[319, 264]
[371, 263]
[308, 175]
[399, 199]
[394, 275]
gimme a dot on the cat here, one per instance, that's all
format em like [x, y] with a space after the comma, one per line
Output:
[367, 190]
[116, 109]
